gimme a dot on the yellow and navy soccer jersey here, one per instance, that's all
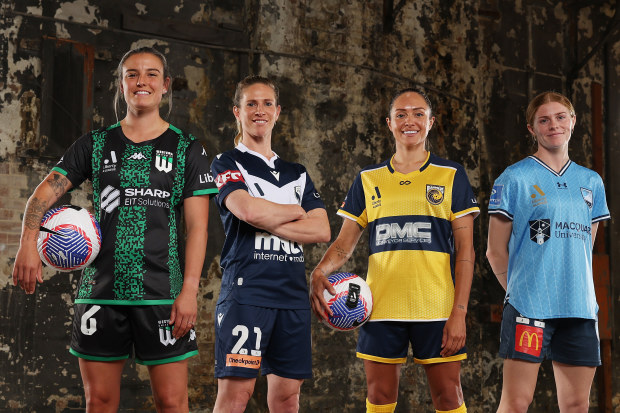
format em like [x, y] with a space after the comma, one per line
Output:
[411, 247]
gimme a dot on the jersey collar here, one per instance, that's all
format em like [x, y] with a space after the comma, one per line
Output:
[271, 162]
[422, 168]
[544, 165]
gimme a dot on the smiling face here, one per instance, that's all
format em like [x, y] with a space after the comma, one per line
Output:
[552, 127]
[143, 83]
[258, 110]
[410, 120]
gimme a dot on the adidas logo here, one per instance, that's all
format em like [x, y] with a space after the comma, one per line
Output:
[137, 156]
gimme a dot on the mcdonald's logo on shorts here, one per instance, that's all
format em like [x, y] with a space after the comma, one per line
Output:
[528, 339]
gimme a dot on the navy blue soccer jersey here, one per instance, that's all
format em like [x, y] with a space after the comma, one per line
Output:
[138, 192]
[550, 248]
[260, 268]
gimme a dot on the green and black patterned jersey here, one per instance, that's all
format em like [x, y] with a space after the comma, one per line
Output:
[138, 192]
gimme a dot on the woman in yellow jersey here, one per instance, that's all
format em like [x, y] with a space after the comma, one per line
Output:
[419, 210]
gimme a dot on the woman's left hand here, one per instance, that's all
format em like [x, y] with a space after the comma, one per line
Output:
[183, 314]
[454, 333]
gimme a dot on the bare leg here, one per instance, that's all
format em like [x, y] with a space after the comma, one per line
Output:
[518, 387]
[169, 385]
[233, 394]
[102, 384]
[444, 380]
[283, 394]
[573, 384]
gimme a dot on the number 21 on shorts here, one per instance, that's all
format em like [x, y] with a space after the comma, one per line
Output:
[238, 356]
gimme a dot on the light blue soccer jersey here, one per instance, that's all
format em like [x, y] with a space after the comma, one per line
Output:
[550, 248]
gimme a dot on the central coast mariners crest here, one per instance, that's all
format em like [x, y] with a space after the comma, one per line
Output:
[163, 161]
[540, 230]
[434, 194]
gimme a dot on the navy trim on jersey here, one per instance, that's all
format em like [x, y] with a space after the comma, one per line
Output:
[544, 165]
[501, 212]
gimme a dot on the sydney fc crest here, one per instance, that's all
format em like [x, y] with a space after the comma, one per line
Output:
[434, 194]
[587, 196]
[540, 230]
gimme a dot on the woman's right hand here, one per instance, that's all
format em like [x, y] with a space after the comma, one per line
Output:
[27, 268]
[319, 283]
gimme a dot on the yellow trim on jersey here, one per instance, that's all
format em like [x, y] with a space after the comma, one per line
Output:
[363, 356]
[457, 357]
[352, 217]
[474, 210]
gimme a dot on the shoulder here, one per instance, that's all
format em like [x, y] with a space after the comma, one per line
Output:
[375, 167]
[584, 171]
[443, 162]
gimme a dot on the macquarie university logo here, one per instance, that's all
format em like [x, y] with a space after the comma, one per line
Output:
[540, 230]
[163, 161]
[110, 198]
[434, 194]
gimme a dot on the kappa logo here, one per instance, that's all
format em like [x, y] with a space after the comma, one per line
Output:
[110, 198]
[137, 156]
[163, 161]
[540, 230]
[587, 196]
[435, 194]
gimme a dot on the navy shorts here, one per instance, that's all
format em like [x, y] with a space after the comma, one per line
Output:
[572, 341]
[114, 332]
[249, 338]
[388, 342]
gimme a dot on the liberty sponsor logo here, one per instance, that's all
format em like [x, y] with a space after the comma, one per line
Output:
[109, 165]
[270, 247]
[540, 230]
[376, 201]
[165, 333]
[410, 232]
[137, 156]
[528, 339]
[538, 197]
[434, 194]
[228, 176]
[110, 198]
[147, 197]
[205, 178]
[587, 197]
[496, 195]
[163, 161]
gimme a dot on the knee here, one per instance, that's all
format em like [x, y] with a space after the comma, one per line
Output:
[574, 405]
[448, 397]
[286, 403]
[232, 402]
[170, 401]
[99, 401]
[516, 404]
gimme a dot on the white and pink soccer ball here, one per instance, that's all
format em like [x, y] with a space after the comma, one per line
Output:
[69, 239]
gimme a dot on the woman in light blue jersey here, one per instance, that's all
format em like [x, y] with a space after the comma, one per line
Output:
[545, 211]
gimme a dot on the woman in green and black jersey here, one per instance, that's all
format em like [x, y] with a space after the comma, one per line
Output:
[139, 295]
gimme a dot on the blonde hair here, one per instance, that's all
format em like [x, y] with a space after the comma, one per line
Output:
[547, 97]
[118, 96]
[246, 82]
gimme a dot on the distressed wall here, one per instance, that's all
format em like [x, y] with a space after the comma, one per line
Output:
[337, 64]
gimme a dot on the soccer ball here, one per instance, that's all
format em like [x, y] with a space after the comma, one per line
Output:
[69, 239]
[352, 303]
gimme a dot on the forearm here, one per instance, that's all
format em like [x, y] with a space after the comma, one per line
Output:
[463, 277]
[195, 250]
[262, 213]
[312, 228]
[499, 266]
[335, 257]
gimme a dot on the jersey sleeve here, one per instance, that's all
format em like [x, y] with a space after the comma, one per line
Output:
[311, 198]
[227, 176]
[600, 212]
[76, 163]
[500, 202]
[463, 199]
[198, 177]
[354, 205]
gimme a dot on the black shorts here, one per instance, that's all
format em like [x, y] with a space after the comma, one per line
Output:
[114, 332]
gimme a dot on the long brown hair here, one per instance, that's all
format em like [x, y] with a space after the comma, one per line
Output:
[246, 82]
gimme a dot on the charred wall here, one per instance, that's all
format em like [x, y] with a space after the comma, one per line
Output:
[337, 64]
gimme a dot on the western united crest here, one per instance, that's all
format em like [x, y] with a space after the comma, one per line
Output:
[163, 161]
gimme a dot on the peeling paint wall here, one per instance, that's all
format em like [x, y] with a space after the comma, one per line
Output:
[337, 66]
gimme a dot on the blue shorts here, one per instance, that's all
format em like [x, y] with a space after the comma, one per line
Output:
[113, 332]
[572, 341]
[388, 342]
[249, 338]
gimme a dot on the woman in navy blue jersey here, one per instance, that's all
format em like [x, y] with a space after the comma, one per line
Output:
[138, 296]
[269, 208]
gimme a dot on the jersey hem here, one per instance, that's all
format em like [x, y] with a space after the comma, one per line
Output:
[97, 358]
[399, 360]
[410, 320]
[501, 212]
[167, 360]
[123, 302]
[474, 210]
[436, 360]
[59, 170]
[209, 191]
